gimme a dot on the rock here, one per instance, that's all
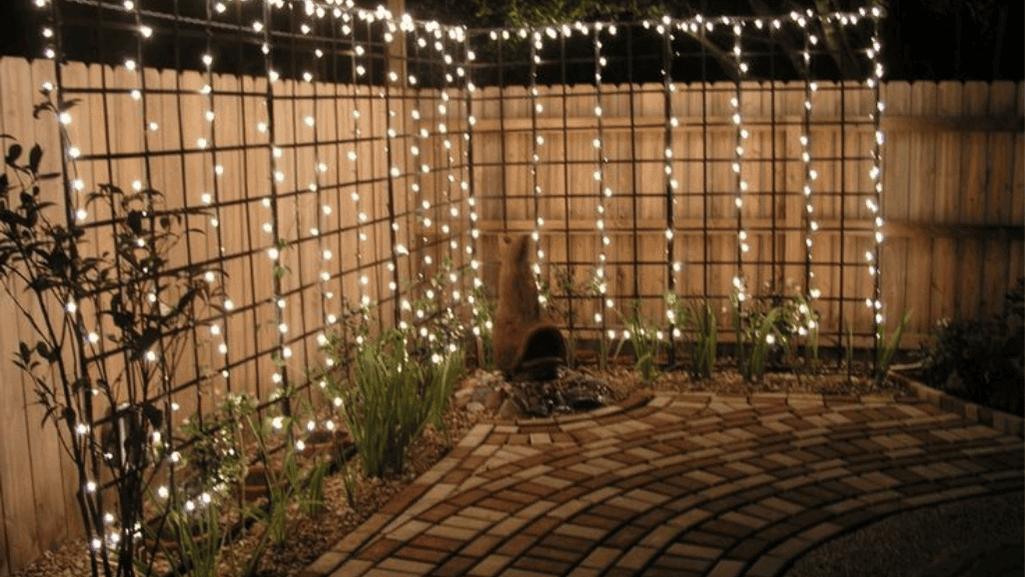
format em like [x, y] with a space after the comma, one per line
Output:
[495, 400]
[508, 411]
[462, 397]
[480, 394]
[475, 408]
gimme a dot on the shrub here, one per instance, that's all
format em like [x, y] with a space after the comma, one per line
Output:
[981, 360]
[147, 309]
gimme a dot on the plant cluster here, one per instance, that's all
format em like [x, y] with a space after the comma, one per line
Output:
[235, 453]
[402, 378]
[645, 338]
[981, 360]
[697, 321]
[768, 329]
[111, 324]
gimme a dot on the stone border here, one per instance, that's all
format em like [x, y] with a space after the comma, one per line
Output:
[999, 420]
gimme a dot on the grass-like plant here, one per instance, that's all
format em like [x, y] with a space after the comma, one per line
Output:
[888, 345]
[392, 395]
[644, 338]
[706, 339]
[483, 325]
[763, 335]
[768, 332]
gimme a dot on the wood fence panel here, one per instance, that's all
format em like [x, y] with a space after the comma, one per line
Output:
[952, 201]
[19, 514]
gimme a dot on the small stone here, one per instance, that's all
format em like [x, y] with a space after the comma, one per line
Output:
[475, 408]
[507, 411]
[480, 394]
[495, 400]
[462, 397]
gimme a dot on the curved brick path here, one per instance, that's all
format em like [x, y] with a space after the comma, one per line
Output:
[675, 484]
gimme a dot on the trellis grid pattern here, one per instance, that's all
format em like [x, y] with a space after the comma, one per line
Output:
[343, 156]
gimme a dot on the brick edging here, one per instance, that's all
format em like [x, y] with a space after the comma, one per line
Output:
[999, 420]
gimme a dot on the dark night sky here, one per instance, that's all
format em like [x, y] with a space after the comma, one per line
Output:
[924, 39]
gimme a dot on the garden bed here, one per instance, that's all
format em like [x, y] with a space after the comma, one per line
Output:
[309, 537]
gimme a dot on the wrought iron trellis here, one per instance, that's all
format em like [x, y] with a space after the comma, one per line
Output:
[424, 135]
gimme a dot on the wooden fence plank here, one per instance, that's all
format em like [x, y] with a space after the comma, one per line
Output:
[948, 195]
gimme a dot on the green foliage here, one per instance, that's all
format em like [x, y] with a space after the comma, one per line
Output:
[393, 394]
[198, 537]
[982, 361]
[768, 330]
[349, 484]
[146, 307]
[435, 326]
[888, 347]
[216, 452]
[644, 337]
[706, 339]
[697, 321]
[484, 324]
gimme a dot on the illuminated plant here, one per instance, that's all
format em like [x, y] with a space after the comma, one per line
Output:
[110, 414]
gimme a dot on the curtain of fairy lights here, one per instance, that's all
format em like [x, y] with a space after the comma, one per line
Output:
[428, 160]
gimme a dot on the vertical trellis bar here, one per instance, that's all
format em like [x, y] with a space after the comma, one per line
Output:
[535, 158]
[635, 291]
[394, 172]
[280, 377]
[739, 281]
[874, 82]
[601, 275]
[570, 313]
[473, 243]
[810, 225]
[215, 199]
[669, 183]
[357, 70]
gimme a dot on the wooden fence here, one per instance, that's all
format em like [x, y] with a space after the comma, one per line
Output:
[355, 224]
[952, 201]
[953, 204]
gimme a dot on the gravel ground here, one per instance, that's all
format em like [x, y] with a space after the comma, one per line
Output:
[983, 536]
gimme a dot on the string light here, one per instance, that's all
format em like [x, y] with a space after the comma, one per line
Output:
[604, 191]
[741, 135]
[669, 183]
[810, 87]
[536, 141]
[874, 202]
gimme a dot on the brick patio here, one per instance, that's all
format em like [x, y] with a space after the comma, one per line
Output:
[675, 485]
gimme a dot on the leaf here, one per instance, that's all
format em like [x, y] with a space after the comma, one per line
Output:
[26, 352]
[34, 157]
[13, 153]
[5, 185]
[154, 415]
[43, 350]
[146, 340]
[135, 222]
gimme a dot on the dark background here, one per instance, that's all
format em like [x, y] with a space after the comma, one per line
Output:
[922, 39]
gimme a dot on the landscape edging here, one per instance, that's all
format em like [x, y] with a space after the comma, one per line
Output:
[999, 420]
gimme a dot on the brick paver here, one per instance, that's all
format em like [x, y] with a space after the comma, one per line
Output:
[676, 484]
